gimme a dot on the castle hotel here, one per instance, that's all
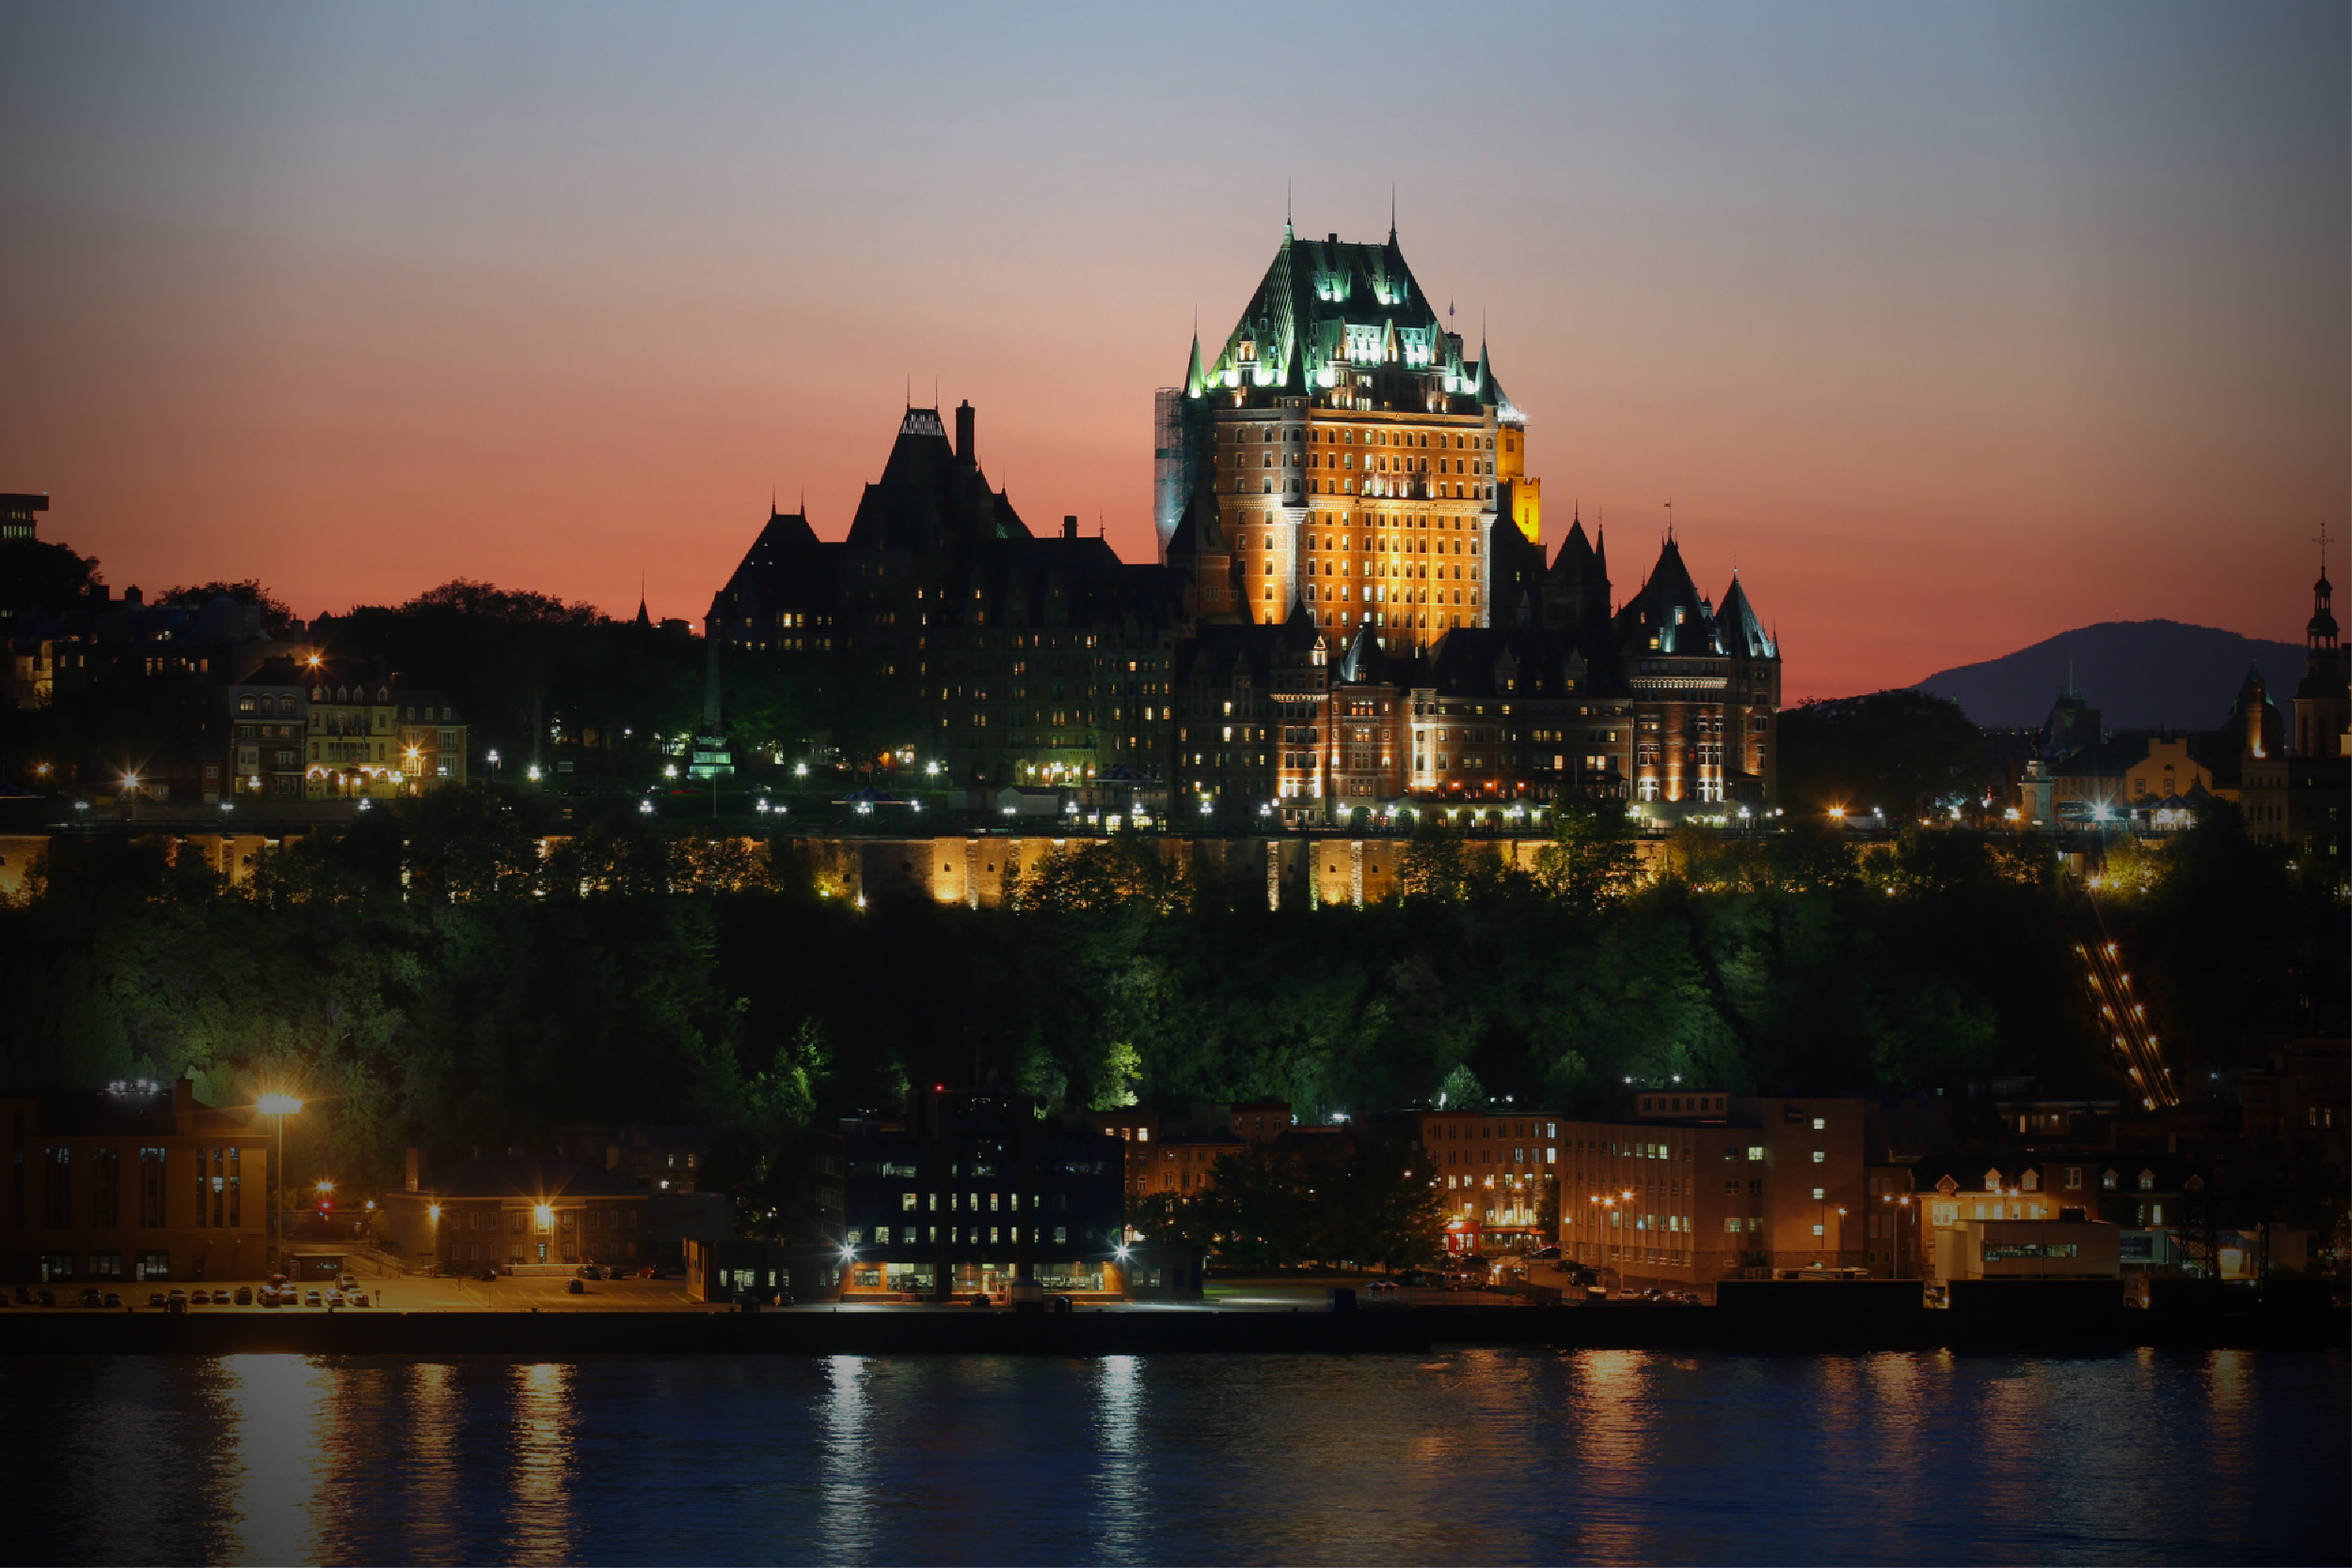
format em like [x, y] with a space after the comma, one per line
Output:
[1355, 609]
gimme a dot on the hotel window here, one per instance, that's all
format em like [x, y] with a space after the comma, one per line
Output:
[1061, 1233]
[1820, 1157]
[106, 1191]
[154, 1266]
[906, 1202]
[59, 1189]
[151, 1189]
[1819, 1194]
[1820, 1230]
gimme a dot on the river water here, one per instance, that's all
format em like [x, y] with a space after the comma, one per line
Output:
[1470, 1455]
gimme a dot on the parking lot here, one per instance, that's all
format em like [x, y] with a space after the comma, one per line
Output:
[402, 1293]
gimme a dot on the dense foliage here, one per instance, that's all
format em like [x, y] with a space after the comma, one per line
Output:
[1905, 753]
[447, 976]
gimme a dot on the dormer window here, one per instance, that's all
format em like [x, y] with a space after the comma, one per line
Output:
[2106, 1181]
[2147, 1182]
[1993, 1181]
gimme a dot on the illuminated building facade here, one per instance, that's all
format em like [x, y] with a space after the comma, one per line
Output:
[131, 1183]
[1700, 1187]
[999, 657]
[520, 1212]
[1498, 1174]
[2300, 799]
[1362, 465]
[975, 1191]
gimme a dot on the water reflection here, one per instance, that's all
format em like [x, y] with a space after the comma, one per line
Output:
[1119, 1408]
[1470, 1455]
[271, 1418]
[539, 1525]
[844, 1525]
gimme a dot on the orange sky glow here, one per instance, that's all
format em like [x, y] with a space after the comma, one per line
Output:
[1955, 327]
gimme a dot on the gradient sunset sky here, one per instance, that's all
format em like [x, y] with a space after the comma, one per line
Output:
[1958, 325]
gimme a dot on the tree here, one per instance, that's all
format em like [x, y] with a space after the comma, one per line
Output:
[1590, 861]
[1904, 753]
[276, 619]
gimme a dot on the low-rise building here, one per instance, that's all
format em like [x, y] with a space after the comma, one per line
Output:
[133, 1182]
[518, 1213]
[1499, 1174]
[658, 1157]
[1702, 1186]
[974, 1190]
[2075, 1249]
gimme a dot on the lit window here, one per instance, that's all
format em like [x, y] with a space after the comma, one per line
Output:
[1820, 1157]
[1756, 1151]
[1819, 1230]
[1819, 1194]
[1820, 1124]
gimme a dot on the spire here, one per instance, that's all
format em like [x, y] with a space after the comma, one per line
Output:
[1288, 233]
[1392, 214]
[645, 621]
[1192, 373]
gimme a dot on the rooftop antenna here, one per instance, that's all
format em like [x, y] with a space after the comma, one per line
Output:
[1392, 211]
[1286, 216]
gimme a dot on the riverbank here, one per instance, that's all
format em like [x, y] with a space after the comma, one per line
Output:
[1812, 1322]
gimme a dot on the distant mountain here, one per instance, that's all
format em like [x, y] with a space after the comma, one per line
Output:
[2137, 674]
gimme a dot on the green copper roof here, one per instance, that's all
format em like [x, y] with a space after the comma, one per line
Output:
[1326, 309]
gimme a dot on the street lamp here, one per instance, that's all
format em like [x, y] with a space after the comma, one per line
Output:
[1902, 1207]
[278, 1108]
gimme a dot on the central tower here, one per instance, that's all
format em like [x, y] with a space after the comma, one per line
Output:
[1362, 469]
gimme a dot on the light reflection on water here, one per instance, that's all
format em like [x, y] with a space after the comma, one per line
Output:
[1463, 1456]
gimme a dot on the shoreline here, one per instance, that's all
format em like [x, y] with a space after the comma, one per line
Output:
[964, 1332]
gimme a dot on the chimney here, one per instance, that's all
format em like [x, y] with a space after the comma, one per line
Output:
[415, 1162]
[965, 450]
[133, 596]
[1069, 527]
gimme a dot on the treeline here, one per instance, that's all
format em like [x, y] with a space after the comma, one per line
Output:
[431, 978]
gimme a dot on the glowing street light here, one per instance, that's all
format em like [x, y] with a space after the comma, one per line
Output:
[278, 1108]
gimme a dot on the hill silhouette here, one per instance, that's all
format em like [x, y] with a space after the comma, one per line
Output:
[2137, 674]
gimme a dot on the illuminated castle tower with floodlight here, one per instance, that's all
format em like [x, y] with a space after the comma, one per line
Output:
[1363, 470]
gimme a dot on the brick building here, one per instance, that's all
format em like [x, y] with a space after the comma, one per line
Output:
[133, 1182]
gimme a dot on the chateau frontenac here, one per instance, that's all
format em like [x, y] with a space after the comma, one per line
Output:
[1354, 609]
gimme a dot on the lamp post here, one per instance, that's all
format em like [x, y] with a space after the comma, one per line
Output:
[278, 1108]
[1901, 1206]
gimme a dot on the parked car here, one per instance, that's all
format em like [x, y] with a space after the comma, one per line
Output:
[590, 1271]
[245, 1295]
[200, 1298]
[46, 1298]
[311, 1298]
[347, 1281]
[359, 1298]
[489, 1276]
[114, 1298]
[91, 1298]
[575, 1286]
[269, 1296]
[176, 1295]
[154, 1298]
[335, 1297]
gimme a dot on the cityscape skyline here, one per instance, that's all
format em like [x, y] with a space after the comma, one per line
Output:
[1873, 301]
